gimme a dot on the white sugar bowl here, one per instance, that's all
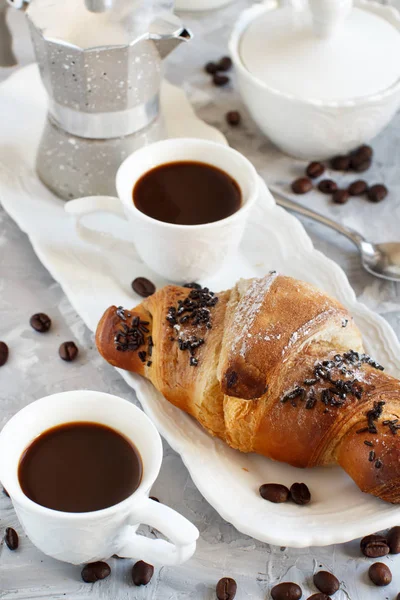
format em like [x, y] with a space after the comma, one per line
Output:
[319, 77]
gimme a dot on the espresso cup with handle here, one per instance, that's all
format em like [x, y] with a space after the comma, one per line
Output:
[179, 253]
[89, 536]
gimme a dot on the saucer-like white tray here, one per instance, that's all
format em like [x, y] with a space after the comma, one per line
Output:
[94, 278]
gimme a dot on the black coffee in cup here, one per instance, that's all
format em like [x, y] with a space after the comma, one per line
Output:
[80, 467]
[187, 193]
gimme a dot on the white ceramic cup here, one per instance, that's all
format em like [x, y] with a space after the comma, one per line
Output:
[179, 253]
[86, 537]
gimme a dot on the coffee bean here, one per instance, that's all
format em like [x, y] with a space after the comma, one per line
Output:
[40, 322]
[68, 351]
[226, 589]
[377, 192]
[233, 117]
[300, 493]
[319, 596]
[357, 188]
[327, 186]
[3, 353]
[154, 498]
[340, 196]
[95, 571]
[274, 492]
[393, 540]
[380, 574]
[220, 80]
[374, 546]
[326, 582]
[340, 163]
[315, 169]
[286, 591]
[192, 285]
[143, 287]
[224, 64]
[360, 163]
[142, 573]
[302, 185]
[11, 538]
[211, 68]
[364, 150]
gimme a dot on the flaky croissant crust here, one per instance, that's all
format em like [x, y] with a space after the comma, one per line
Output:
[272, 366]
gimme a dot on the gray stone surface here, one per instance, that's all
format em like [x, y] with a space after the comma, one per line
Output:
[35, 370]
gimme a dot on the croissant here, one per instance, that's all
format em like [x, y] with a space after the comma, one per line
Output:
[273, 366]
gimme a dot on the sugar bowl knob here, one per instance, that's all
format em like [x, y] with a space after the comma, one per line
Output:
[328, 15]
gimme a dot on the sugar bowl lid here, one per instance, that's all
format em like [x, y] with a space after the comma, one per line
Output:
[323, 50]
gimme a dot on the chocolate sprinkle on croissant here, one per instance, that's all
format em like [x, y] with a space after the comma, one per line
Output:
[194, 310]
[130, 338]
[231, 379]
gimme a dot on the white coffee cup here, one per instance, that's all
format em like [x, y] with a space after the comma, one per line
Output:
[180, 253]
[86, 537]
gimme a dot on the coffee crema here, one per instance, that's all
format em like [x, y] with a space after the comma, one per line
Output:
[187, 193]
[80, 467]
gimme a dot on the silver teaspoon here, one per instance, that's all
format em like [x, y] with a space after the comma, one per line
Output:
[381, 260]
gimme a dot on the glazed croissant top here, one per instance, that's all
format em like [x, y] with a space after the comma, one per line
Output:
[273, 366]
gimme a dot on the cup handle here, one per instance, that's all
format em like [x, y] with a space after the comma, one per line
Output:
[90, 205]
[182, 533]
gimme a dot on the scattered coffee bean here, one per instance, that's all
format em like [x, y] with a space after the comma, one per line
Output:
[326, 582]
[393, 540]
[211, 68]
[11, 538]
[374, 546]
[224, 64]
[95, 571]
[142, 573]
[315, 169]
[40, 322]
[327, 186]
[377, 192]
[220, 80]
[5, 492]
[380, 574]
[300, 493]
[340, 163]
[319, 596]
[302, 185]
[286, 591]
[357, 188]
[226, 589]
[154, 498]
[3, 353]
[68, 351]
[143, 287]
[274, 492]
[364, 150]
[340, 196]
[360, 163]
[192, 285]
[233, 117]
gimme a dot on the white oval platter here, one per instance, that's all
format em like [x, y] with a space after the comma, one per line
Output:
[93, 278]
